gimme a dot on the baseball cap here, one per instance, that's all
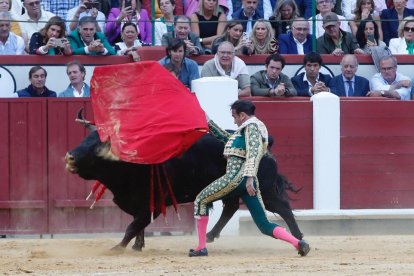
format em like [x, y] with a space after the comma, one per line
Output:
[330, 19]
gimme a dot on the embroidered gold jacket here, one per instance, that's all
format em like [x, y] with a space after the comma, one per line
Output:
[246, 143]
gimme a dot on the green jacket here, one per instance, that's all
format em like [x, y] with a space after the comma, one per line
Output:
[78, 46]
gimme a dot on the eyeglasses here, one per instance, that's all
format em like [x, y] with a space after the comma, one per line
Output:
[32, 4]
[408, 29]
[300, 29]
[385, 69]
[226, 53]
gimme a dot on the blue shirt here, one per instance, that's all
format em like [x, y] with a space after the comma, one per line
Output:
[188, 70]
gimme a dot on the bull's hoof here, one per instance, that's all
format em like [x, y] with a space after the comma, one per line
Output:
[117, 249]
[198, 253]
[211, 237]
[137, 248]
[304, 248]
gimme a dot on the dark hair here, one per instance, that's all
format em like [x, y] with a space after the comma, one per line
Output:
[312, 57]
[275, 57]
[129, 24]
[360, 34]
[87, 19]
[174, 44]
[243, 106]
[80, 66]
[172, 68]
[36, 68]
[57, 21]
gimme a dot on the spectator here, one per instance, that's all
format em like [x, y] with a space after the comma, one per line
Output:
[225, 63]
[325, 7]
[134, 13]
[248, 14]
[311, 81]
[365, 10]
[208, 23]
[37, 88]
[33, 20]
[232, 33]
[389, 83]
[285, 13]
[5, 6]
[130, 42]
[404, 44]
[188, 69]
[182, 30]
[10, 43]
[348, 7]
[272, 82]
[298, 41]
[336, 41]
[265, 7]
[304, 8]
[51, 40]
[390, 19]
[348, 84]
[367, 36]
[172, 69]
[262, 39]
[77, 88]
[84, 9]
[85, 40]
[59, 8]
[165, 23]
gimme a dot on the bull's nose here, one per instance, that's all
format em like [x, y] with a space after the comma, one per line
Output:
[70, 163]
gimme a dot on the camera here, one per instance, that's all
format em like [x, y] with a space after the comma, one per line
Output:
[90, 5]
[371, 38]
[60, 42]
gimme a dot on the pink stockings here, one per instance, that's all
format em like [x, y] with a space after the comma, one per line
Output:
[202, 230]
[281, 234]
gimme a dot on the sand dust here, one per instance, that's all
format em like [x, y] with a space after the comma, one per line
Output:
[229, 255]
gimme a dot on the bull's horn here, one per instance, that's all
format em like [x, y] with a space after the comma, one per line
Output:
[87, 124]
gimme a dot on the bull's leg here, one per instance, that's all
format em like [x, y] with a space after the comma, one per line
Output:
[231, 205]
[139, 241]
[283, 208]
[134, 228]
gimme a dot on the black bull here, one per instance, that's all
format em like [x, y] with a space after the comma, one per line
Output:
[188, 174]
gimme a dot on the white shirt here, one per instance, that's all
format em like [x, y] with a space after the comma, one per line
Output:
[267, 9]
[122, 47]
[101, 19]
[76, 93]
[13, 46]
[29, 26]
[378, 83]
[309, 83]
[299, 45]
[319, 22]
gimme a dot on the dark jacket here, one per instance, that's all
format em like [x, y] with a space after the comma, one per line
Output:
[325, 45]
[390, 22]
[302, 87]
[239, 15]
[78, 47]
[259, 86]
[30, 92]
[361, 86]
[287, 44]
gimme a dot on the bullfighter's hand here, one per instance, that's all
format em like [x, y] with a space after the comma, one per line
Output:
[249, 186]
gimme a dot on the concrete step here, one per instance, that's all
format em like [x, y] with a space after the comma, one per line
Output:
[343, 222]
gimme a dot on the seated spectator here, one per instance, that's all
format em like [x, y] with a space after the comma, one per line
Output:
[134, 13]
[84, 9]
[336, 41]
[233, 33]
[298, 41]
[404, 44]
[77, 88]
[208, 22]
[5, 6]
[59, 8]
[182, 30]
[164, 24]
[262, 39]
[51, 40]
[285, 13]
[33, 20]
[311, 81]
[85, 40]
[325, 7]
[389, 83]
[272, 82]
[10, 43]
[248, 14]
[130, 42]
[365, 10]
[37, 88]
[172, 69]
[390, 19]
[348, 84]
[367, 36]
[188, 68]
[348, 7]
[226, 64]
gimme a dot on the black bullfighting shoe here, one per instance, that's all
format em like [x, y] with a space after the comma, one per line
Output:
[304, 248]
[199, 253]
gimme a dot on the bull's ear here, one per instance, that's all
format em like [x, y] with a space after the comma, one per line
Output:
[87, 124]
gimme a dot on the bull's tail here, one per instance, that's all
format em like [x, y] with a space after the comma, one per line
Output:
[283, 185]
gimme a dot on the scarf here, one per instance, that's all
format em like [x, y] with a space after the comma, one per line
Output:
[410, 47]
[260, 125]
[237, 67]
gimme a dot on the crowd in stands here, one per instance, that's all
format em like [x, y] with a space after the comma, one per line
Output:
[227, 29]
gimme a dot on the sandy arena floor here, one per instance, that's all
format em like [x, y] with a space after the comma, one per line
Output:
[230, 255]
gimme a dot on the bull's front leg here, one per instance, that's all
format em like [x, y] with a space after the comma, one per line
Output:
[133, 230]
[139, 241]
[231, 205]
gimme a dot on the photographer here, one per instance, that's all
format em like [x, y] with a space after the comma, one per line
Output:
[50, 40]
[85, 8]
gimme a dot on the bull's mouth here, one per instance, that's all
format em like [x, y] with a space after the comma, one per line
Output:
[70, 163]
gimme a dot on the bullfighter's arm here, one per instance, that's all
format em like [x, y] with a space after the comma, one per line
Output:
[254, 150]
[218, 132]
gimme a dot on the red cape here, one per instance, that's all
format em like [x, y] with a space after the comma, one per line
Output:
[147, 114]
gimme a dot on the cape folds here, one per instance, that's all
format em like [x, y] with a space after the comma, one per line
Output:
[145, 112]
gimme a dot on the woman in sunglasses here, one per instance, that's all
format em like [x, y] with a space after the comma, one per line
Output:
[404, 43]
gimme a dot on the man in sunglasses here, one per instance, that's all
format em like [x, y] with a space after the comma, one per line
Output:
[298, 41]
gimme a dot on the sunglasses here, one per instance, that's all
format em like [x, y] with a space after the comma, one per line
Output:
[408, 29]
[32, 4]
